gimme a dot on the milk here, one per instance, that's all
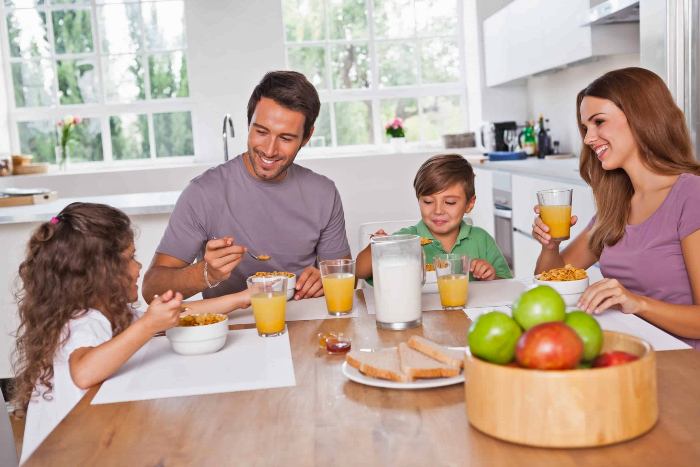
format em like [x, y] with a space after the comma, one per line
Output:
[397, 289]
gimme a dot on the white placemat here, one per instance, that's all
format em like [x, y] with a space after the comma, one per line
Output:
[481, 294]
[246, 362]
[302, 310]
[612, 320]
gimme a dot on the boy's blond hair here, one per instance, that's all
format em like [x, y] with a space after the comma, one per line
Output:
[441, 172]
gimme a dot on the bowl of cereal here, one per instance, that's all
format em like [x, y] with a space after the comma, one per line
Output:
[569, 281]
[291, 280]
[199, 334]
[430, 285]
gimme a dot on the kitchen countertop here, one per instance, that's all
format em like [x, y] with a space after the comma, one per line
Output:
[567, 169]
[131, 204]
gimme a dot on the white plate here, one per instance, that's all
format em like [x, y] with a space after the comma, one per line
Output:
[354, 374]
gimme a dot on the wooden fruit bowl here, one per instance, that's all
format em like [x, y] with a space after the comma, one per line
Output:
[565, 409]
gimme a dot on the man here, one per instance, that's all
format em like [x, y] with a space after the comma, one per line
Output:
[260, 201]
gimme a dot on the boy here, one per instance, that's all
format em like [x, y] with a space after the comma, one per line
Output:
[444, 187]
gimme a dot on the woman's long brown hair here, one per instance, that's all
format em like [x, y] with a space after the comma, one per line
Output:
[72, 266]
[664, 146]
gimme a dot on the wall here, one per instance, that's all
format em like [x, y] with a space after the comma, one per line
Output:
[250, 37]
[4, 109]
[554, 96]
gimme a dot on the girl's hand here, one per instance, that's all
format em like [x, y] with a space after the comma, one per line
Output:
[244, 299]
[482, 270]
[163, 312]
[609, 293]
[540, 229]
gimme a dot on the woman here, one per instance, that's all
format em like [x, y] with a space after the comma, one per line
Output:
[638, 159]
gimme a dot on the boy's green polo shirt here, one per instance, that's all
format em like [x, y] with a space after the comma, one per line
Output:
[472, 241]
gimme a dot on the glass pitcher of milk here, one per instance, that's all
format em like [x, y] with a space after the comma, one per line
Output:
[398, 271]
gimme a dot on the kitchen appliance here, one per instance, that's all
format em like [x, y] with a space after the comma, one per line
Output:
[503, 214]
[670, 47]
[492, 135]
[398, 269]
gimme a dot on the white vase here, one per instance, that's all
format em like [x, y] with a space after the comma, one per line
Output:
[398, 144]
[60, 162]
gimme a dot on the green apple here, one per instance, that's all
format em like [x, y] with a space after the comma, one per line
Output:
[539, 305]
[492, 337]
[589, 331]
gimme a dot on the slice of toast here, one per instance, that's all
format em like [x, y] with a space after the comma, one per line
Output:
[382, 364]
[418, 365]
[437, 351]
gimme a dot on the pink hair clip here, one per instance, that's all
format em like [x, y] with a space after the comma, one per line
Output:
[54, 220]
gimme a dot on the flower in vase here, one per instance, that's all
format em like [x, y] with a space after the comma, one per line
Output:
[60, 123]
[77, 120]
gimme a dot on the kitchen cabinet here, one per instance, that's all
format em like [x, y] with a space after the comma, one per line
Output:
[525, 198]
[482, 214]
[526, 250]
[533, 36]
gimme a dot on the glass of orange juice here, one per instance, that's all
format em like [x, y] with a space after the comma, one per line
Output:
[338, 278]
[453, 279]
[555, 211]
[269, 301]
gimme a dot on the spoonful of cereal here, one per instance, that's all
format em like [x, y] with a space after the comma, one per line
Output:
[259, 257]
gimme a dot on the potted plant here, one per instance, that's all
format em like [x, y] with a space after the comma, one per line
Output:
[66, 128]
[396, 133]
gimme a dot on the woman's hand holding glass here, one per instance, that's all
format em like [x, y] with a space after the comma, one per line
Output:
[540, 231]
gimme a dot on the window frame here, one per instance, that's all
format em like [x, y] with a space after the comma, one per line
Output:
[375, 93]
[100, 109]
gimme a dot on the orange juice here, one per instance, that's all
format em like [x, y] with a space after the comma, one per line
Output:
[558, 219]
[453, 290]
[339, 290]
[268, 310]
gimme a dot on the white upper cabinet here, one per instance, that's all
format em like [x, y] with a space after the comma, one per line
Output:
[532, 36]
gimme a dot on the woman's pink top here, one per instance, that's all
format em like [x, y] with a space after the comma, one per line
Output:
[648, 259]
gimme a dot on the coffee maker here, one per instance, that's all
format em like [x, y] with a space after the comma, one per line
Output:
[491, 134]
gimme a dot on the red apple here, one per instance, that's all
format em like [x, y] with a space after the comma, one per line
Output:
[513, 364]
[616, 357]
[549, 346]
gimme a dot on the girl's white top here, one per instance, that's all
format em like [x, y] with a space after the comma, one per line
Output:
[90, 330]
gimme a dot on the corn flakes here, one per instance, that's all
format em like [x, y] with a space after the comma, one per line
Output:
[201, 320]
[430, 267]
[275, 273]
[567, 273]
[425, 241]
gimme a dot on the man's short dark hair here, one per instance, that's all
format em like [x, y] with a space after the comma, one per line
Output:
[292, 91]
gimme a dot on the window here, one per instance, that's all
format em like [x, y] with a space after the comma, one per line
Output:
[374, 60]
[119, 64]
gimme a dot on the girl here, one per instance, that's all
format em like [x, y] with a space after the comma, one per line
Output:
[638, 159]
[77, 324]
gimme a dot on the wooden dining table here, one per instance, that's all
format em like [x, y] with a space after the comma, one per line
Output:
[327, 420]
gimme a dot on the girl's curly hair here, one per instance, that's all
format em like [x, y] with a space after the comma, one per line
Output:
[74, 263]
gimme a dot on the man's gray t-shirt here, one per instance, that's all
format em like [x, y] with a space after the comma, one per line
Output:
[294, 221]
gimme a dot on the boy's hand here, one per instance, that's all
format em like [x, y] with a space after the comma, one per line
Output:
[482, 270]
[164, 312]
[379, 232]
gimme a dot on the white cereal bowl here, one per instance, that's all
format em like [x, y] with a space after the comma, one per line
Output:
[430, 285]
[198, 340]
[291, 283]
[570, 291]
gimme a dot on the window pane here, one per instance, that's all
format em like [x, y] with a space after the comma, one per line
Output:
[27, 33]
[33, 83]
[38, 139]
[120, 28]
[407, 110]
[440, 61]
[303, 20]
[347, 19]
[72, 30]
[173, 133]
[350, 66]
[168, 75]
[164, 25]
[77, 81]
[394, 19]
[23, 3]
[66, 2]
[397, 64]
[441, 116]
[353, 122]
[130, 137]
[436, 17]
[123, 78]
[322, 129]
[87, 146]
[311, 62]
